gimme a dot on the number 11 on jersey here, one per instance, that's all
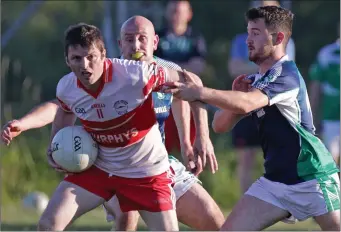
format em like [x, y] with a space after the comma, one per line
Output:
[100, 113]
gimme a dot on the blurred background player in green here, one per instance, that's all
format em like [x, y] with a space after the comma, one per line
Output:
[325, 95]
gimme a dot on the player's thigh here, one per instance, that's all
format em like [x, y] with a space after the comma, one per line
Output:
[329, 221]
[123, 221]
[207, 216]
[251, 213]
[160, 221]
[68, 202]
[153, 194]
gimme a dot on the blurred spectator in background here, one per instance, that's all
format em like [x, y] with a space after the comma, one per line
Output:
[325, 95]
[244, 135]
[183, 45]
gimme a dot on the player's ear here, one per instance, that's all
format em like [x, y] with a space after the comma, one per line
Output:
[156, 41]
[279, 38]
[67, 61]
[104, 53]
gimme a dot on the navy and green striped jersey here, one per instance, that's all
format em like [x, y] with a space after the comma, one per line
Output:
[163, 101]
[292, 152]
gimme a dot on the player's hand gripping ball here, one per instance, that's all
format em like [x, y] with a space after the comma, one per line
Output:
[73, 149]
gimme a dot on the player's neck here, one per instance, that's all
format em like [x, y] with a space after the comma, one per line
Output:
[269, 62]
[95, 86]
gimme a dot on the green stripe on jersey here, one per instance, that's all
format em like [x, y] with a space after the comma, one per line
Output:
[314, 159]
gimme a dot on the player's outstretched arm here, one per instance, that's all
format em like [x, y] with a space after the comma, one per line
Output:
[38, 117]
[202, 145]
[238, 102]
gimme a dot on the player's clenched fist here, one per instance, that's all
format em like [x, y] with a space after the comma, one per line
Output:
[10, 130]
[241, 83]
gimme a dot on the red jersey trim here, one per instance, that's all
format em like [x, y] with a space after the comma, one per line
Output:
[64, 106]
[124, 130]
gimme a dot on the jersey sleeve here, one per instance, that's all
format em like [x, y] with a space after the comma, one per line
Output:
[150, 75]
[60, 96]
[155, 76]
[280, 89]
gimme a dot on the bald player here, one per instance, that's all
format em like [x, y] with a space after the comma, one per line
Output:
[138, 37]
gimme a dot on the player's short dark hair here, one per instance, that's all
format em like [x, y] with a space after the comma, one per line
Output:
[84, 35]
[276, 18]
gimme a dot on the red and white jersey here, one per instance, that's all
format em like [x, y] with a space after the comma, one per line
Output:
[120, 116]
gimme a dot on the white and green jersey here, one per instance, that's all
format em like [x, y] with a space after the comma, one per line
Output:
[326, 70]
[292, 152]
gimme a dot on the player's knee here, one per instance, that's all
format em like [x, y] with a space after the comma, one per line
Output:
[127, 221]
[331, 227]
[216, 217]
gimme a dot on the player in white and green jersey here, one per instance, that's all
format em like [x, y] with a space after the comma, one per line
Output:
[325, 95]
[301, 178]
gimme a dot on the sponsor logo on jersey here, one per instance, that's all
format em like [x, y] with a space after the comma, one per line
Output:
[162, 109]
[80, 110]
[121, 107]
[160, 95]
[115, 138]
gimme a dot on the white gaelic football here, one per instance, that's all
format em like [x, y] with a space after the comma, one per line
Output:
[73, 149]
[36, 201]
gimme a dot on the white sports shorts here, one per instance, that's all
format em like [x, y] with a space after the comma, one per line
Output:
[304, 200]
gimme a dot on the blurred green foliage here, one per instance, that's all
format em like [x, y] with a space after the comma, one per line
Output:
[33, 62]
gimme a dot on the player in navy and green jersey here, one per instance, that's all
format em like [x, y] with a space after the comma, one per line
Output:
[301, 177]
[325, 95]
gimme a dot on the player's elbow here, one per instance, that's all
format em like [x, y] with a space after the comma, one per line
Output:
[219, 129]
[244, 108]
[246, 105]
[219, 124]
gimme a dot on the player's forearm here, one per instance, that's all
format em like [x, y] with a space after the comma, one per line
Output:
[182, 116]
[199, 110]
[225, 120]
[200, 118]
[236, 101]
[40, 116]
[62, 119]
